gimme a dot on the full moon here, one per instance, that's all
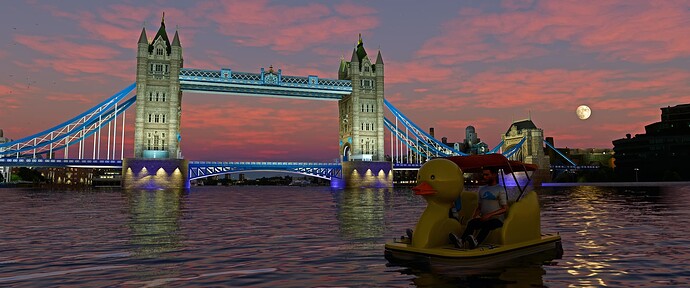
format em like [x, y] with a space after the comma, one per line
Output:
[583, 112]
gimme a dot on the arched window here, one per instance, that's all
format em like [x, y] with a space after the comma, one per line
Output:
[157, 96]
[150, 96]
[149, 121]
[159, 51]
[156, 118]
[163, 118]
[163, 97]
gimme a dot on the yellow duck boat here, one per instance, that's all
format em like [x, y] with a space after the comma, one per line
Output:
[441, 181]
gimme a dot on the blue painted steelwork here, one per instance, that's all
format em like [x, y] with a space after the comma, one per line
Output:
[226, 81]
[559, 153]
[79, 163]
[202, 169]
[420, 134]
[415, 144]
[514, 149]
[407, 166]
[72, 130]
[197, 169]
[75, 134]
[496, 148]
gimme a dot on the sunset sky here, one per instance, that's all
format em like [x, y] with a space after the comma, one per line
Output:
[449, 64]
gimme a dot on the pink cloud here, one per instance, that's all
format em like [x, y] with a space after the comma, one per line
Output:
[291, 28]
[9, 98]
[634, 31]
[120, 25]
[417, 71]
[252, 128]
[73, 58]
[61, 48]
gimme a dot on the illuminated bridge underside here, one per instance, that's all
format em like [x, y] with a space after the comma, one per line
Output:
[259, 84]
[198, 169]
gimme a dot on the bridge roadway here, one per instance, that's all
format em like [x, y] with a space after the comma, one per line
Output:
[197, 169]
[226, 81]
[203, 169]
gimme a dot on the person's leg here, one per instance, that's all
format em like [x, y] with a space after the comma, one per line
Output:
[486, 227]
[472, 225]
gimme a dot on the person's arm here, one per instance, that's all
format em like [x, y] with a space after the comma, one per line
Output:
[502, 210]
[477, 211]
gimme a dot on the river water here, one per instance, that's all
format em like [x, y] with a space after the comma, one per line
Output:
[265, 236]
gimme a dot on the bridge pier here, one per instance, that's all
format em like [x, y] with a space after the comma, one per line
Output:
[365, 174]
[140, 173]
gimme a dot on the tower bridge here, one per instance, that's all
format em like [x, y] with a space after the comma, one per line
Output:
[161, 80]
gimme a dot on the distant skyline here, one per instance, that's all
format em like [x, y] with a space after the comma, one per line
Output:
[449, 64]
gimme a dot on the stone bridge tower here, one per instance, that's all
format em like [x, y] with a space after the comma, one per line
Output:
[157, 126]
[361, 122]
[361, 113]
[157, 162]
[532, 150]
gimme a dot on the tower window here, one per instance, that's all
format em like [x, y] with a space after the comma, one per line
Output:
[367, 83]
[163, 97]
[159, 51]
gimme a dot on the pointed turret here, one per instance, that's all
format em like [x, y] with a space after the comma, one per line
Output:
[354, 58]
[379, 59]
[343, 64]
[176, 40]
[361, 53]
[142, 37]
[161, 33]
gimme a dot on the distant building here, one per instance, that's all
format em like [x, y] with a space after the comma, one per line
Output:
[661, 153]
[68, 175]
[471, 144]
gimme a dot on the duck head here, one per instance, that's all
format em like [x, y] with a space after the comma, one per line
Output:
[440, 182]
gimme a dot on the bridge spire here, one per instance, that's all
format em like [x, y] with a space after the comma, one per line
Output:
[379, 59]
[142, 37]
[176, 40]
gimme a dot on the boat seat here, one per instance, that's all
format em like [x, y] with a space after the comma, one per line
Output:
[470, 200]
[521, 222]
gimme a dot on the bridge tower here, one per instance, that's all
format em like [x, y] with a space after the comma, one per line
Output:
[158, 109]
[159, 96]
[361, 121]
[532, 150]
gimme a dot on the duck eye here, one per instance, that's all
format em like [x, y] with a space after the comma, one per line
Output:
[433, 177]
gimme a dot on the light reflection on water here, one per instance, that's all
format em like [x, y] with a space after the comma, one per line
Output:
[312, 236]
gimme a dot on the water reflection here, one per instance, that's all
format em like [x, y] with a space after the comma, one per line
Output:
[154, 221]
[360, 212]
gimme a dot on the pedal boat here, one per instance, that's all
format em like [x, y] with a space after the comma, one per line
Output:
[441, 181]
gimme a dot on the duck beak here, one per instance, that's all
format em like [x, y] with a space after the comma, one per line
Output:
[424, 189]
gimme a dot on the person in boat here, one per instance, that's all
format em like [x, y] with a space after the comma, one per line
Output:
[490, 212]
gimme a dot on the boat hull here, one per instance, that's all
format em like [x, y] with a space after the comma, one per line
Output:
[548, 247]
